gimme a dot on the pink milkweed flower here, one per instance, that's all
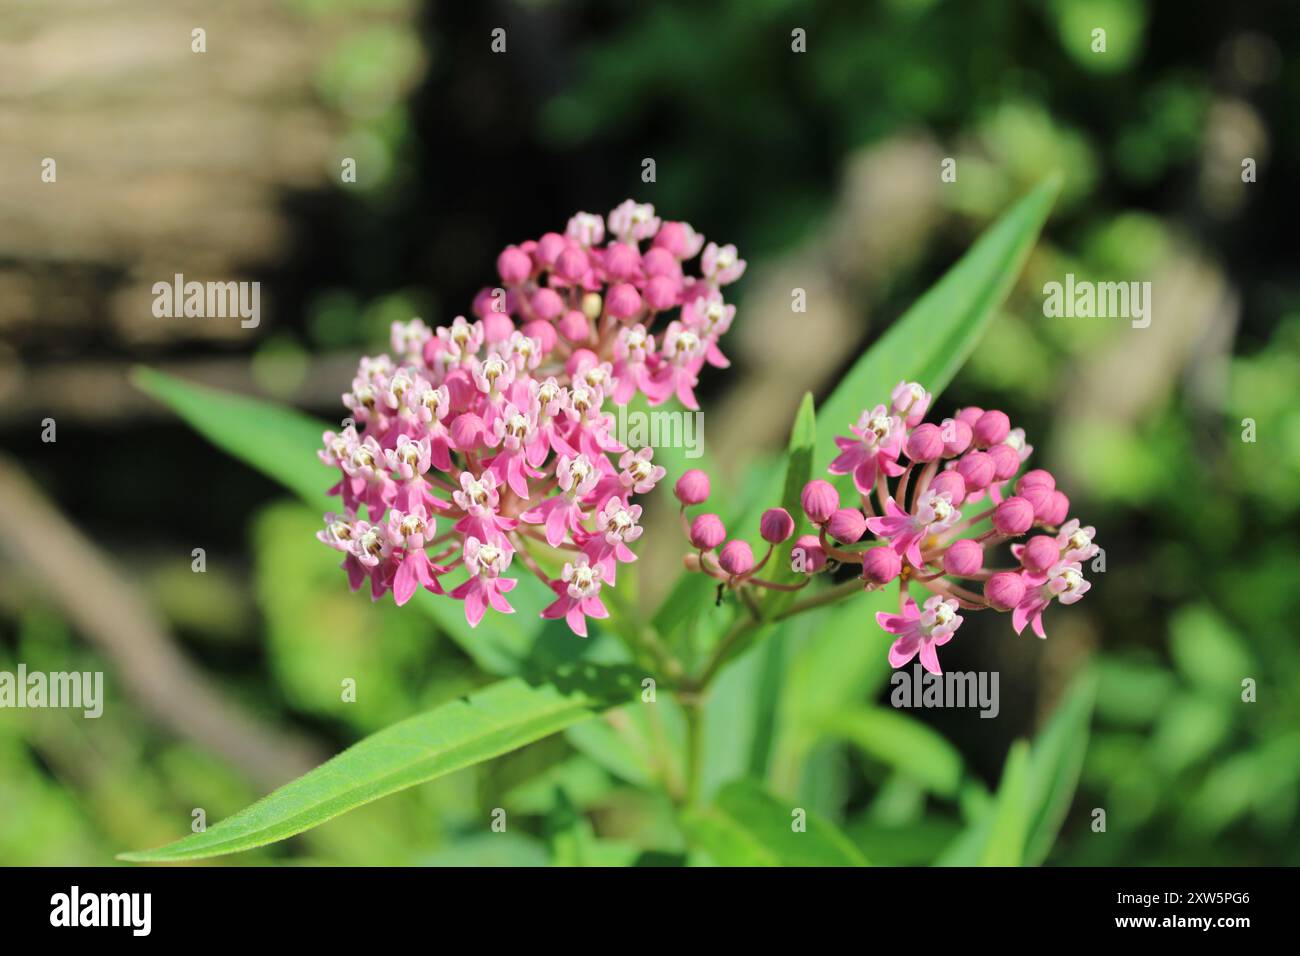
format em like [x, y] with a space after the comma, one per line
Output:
[374, 552]
[485, 562]
[514, 432]
[579, 595]
[1076, 542]
[616, 527]
[875, 450]
[920, 631]
[907, 532]
[563, 513]
[493, 375]
[721, 265]
[631, 221]
[409, 532]
[1065, 582]
[909, 401]
[367, 481]
[340, 534]
[586, 229]
[679, 239]
[479, 499]
[639, 472]
[711, 318]
[408, 339]
[409, 460]
[461, 340]
[683, 352]
[632, 352]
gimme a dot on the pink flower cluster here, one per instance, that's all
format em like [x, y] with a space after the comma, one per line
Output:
[939, 473]
[486, 439]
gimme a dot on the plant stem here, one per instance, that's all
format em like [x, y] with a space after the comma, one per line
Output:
[830, 596]
[692, 707]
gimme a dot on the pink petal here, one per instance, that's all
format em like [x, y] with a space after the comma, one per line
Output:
[930, 658]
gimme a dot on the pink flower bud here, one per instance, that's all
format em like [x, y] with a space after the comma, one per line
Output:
[1037, 495]
[549, 248]
[1040, 553]
[1038, 476]
[1004, 590]
[956, 437]
[736, 558]
[661, 293]
[963, 558]
[544, 332]
[514, 265]
[580, 361]
[572, 264]
[819, 499]
[574, 326]
[497, 327]
[970, 415]
[925, 443]
[659, 262]
[991, 428]
[881, 565]
[461, 388]
[546, 304]
[976, 468]
[676, 238]
[847, 525]
[623, 301]
[776, 525]
[692, 487]
[1014, 516]
[466, 431]
[1056, 510]
[1006, 461]
[622, 262]
[808, 554]
[707, 532]
[952, 483]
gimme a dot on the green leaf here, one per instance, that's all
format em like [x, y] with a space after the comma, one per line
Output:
[747, 826]
[902, 743]
[1055, 764]
[936, 335]
[279, 442]
[491, 722]
[798, 472]
[928, 344]
[1009, 819]
[1208, 652]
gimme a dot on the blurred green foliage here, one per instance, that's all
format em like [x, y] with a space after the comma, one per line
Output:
[1199, 525]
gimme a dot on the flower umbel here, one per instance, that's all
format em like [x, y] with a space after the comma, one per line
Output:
[477, 443]
[926, 527]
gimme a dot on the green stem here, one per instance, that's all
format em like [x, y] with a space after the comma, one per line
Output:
[830, 596]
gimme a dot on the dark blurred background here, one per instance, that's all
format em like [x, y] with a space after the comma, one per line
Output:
[823, 167]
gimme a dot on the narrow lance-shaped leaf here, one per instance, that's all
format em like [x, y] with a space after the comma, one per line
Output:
[746, 826]
[1055, 764]
[937, 334]
[798, 472]
[928, 344]
[491, 722]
